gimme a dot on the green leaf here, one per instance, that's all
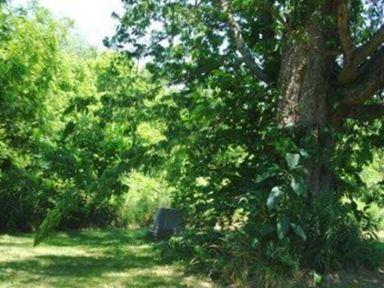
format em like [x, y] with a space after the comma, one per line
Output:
[298, 186]
[266, 229]
[317, 278]
[304, 153]
[274, 197]
[199, 250]
[270, 172]
[255, 243]
[292, 160]
[282, 227]
[299, 231]
[262, 177]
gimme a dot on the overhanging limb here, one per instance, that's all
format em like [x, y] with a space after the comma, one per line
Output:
[242, 47]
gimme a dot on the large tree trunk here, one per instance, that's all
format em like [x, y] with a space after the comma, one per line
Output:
[304, 88]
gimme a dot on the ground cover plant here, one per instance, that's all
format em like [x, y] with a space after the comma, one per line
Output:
[261, 120]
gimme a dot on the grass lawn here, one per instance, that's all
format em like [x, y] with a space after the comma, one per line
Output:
[97, 258]
[362, 278]
[114, 258]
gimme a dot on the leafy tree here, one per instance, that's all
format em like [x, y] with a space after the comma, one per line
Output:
[273, 109]
[76, 124]
[315, 56]
[102, 147]
[29, 59]
[257, 115]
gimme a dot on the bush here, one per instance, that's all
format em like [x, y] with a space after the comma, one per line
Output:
[138, 205]
[251, 256]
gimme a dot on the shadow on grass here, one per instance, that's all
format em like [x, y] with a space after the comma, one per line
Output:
[78, 266]
[96, 258]
[98, 238]
[363, 277]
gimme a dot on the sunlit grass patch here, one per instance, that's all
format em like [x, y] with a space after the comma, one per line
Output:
[95, 258]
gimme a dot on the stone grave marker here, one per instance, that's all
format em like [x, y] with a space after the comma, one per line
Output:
[168, 221]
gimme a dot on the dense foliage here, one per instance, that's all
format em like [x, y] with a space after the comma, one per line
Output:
[29, 63]
[73, 130]
[266, 161]
[87, 139]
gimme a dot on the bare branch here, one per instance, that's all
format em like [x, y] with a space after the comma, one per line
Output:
[242, 47]
[344, 32]
[369, 81]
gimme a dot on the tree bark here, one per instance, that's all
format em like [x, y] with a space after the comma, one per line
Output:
[310, 75]
[303, 105]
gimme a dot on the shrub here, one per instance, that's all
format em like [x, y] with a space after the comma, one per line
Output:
[138, 205]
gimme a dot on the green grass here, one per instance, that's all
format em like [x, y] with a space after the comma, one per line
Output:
[97, 258]
[115, 258]
[363, 278]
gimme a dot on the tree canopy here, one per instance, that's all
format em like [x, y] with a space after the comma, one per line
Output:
[261, 120]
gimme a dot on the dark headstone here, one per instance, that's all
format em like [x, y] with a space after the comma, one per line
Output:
[167, 222]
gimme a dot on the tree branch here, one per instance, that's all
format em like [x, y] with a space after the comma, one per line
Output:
[363, 52]
[344, 32]
[369, 81]
[242, 47]
[359, 56]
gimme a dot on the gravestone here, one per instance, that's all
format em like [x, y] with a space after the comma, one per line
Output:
[168, 221]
